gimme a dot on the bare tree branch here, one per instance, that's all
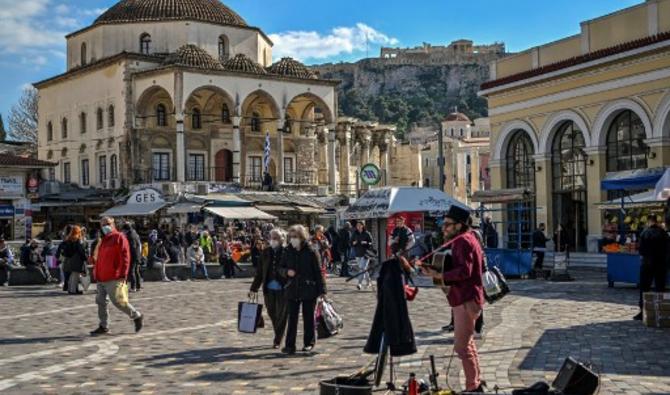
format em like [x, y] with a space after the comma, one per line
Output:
[23, 117]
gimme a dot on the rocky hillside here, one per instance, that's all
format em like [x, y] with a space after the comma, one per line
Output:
[402, 94]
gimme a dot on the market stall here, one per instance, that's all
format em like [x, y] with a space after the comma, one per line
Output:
[627, 215]
[515, 256]
[378, 207]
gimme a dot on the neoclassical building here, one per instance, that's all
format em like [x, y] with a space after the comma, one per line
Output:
[565, 114]
[160, 91]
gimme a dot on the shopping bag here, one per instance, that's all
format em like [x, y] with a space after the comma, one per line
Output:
[85, 281]
[328, 321]
[52, 262]
[249, 315]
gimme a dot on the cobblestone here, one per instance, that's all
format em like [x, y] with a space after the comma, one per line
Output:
[190, 344]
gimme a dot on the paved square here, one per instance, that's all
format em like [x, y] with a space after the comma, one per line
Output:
[190, 343]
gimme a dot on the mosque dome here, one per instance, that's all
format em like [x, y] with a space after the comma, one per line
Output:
[192, 56]
[132, 11]
[289, 67]
[243, 64]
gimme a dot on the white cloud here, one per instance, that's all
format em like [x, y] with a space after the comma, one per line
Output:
[340, 40]
[25, 26]
[93, 12]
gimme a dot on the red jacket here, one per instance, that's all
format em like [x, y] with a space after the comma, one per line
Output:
[113, 258]
[466, 276]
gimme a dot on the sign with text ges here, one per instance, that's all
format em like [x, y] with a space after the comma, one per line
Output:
[146, 196]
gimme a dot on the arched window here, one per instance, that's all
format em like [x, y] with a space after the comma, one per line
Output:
[50, 131]
[63, 128]
[461, 132]
[113, 167]
[225, 113]
[145, 43]
[99, 119]
[255, 122]
[82, 122]
[196, 119]
[161, 116]
[626, 149]
[569, 182]
[83, 54]
[520, 174]
[110, 116]
[223, 47]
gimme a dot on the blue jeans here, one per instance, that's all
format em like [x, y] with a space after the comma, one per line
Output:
[194, 269]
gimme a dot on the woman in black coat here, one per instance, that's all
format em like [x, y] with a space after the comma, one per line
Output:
[74, 259]
[271, 278]
[305, 284]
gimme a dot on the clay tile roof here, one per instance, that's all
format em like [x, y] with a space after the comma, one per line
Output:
[243, 64]
[288, 67]
[574, 61]
[129, 11]
[13, 160]
[457, 116]
[192, 56]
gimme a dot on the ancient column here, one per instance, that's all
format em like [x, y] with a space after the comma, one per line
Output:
[180, 158]
[280, 149]
[332, 168]
[344, 136]
[237, 150]
[366, 144]
[323, 165]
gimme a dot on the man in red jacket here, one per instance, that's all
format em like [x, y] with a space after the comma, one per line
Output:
[466, 292]
[111, 271]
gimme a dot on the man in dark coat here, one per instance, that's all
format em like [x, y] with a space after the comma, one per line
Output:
[654, 243]
[135, 244]
[344, 241]
[539, 246]
[490, 233]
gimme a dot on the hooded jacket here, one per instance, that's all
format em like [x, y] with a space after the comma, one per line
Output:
[113, 258]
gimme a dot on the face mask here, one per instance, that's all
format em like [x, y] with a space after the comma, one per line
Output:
[107, 229]
[274, 243]
[295, 242]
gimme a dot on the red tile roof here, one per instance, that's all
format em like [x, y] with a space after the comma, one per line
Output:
[602, 53]
[20, 161]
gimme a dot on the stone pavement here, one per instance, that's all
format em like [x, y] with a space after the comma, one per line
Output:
[190, 344]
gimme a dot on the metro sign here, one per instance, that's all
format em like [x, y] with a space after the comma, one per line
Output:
[370, 174]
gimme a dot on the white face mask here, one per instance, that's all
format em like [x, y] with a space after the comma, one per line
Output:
[274, 243]
[107, 229]
[296, 242]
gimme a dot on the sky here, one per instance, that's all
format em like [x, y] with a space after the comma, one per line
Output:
[32, 43]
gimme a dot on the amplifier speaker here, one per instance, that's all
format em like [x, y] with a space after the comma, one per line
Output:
[576, 379]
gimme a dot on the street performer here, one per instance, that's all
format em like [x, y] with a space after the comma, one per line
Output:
[466, 293]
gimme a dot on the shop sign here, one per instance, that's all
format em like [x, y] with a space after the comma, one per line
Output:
[11, 186]
[146, 196]
[6, 211]
[370, 174]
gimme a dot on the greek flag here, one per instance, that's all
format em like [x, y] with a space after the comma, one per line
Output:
[266, 153]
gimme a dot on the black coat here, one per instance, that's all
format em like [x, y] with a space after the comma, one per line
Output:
[270, 261]
[363, 242]
[344, 238]
[308, 282]
[391, 315]
[135, 245]
[654, 245]
[75, 257]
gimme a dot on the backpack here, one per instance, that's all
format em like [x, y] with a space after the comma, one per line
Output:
[329, 322]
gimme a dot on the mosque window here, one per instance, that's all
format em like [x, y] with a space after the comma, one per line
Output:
[161, 116]
[110, 115]
[224, 53]
[145, 43]
[255, 122]
[83, 54]
[225, 113]
[196, 119]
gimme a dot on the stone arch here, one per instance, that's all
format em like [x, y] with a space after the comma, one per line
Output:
[507, 132]
[263, 103]
[313, 103]
[147, 103]
[196, 143]
[609, 112]
[160, 142]
[209, 100]
[554, 123]
[662, 119]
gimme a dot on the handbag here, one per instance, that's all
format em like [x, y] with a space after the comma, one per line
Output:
[495, 285]
[249, 316]
[410, 290]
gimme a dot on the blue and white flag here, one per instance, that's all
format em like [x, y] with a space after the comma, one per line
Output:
[266, 153]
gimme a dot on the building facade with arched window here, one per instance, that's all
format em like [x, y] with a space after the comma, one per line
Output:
[591, 104]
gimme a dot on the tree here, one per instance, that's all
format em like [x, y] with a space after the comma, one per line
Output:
[3, 132]
[23, 117]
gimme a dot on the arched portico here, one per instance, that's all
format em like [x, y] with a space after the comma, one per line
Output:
[154, 109]
[553, 125]
[662, 119]
[610, 111]
[214, 104]
[506, 134]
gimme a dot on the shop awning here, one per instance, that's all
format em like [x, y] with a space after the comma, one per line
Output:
[644, 199]
[275, 208]
[133, 210]
[502, 196]
[184, 208]
[632, 179]
[240, 213]
[311, 210]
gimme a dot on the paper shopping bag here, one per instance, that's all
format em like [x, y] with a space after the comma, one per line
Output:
[248, 316]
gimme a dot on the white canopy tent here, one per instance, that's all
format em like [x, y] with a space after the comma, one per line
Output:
[240, 213]
[656, 197]
[384, 202]
[133, 210]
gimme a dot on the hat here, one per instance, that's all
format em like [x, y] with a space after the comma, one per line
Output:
[458, 214]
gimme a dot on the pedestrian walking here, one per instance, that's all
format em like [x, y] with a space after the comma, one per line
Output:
[466, 293]
[305, 284]
[344, 245]
[654, 246]
[135, 244]
[361, 243]
[74, 259]
[111, 270]
[539, 246]
[272, 279]
[6, 262]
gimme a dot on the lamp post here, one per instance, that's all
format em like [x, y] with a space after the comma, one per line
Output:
[440, 158]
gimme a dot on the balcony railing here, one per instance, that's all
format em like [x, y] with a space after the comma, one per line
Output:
[148, 176]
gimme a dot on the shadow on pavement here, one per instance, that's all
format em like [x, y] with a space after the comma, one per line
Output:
[37, 340]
